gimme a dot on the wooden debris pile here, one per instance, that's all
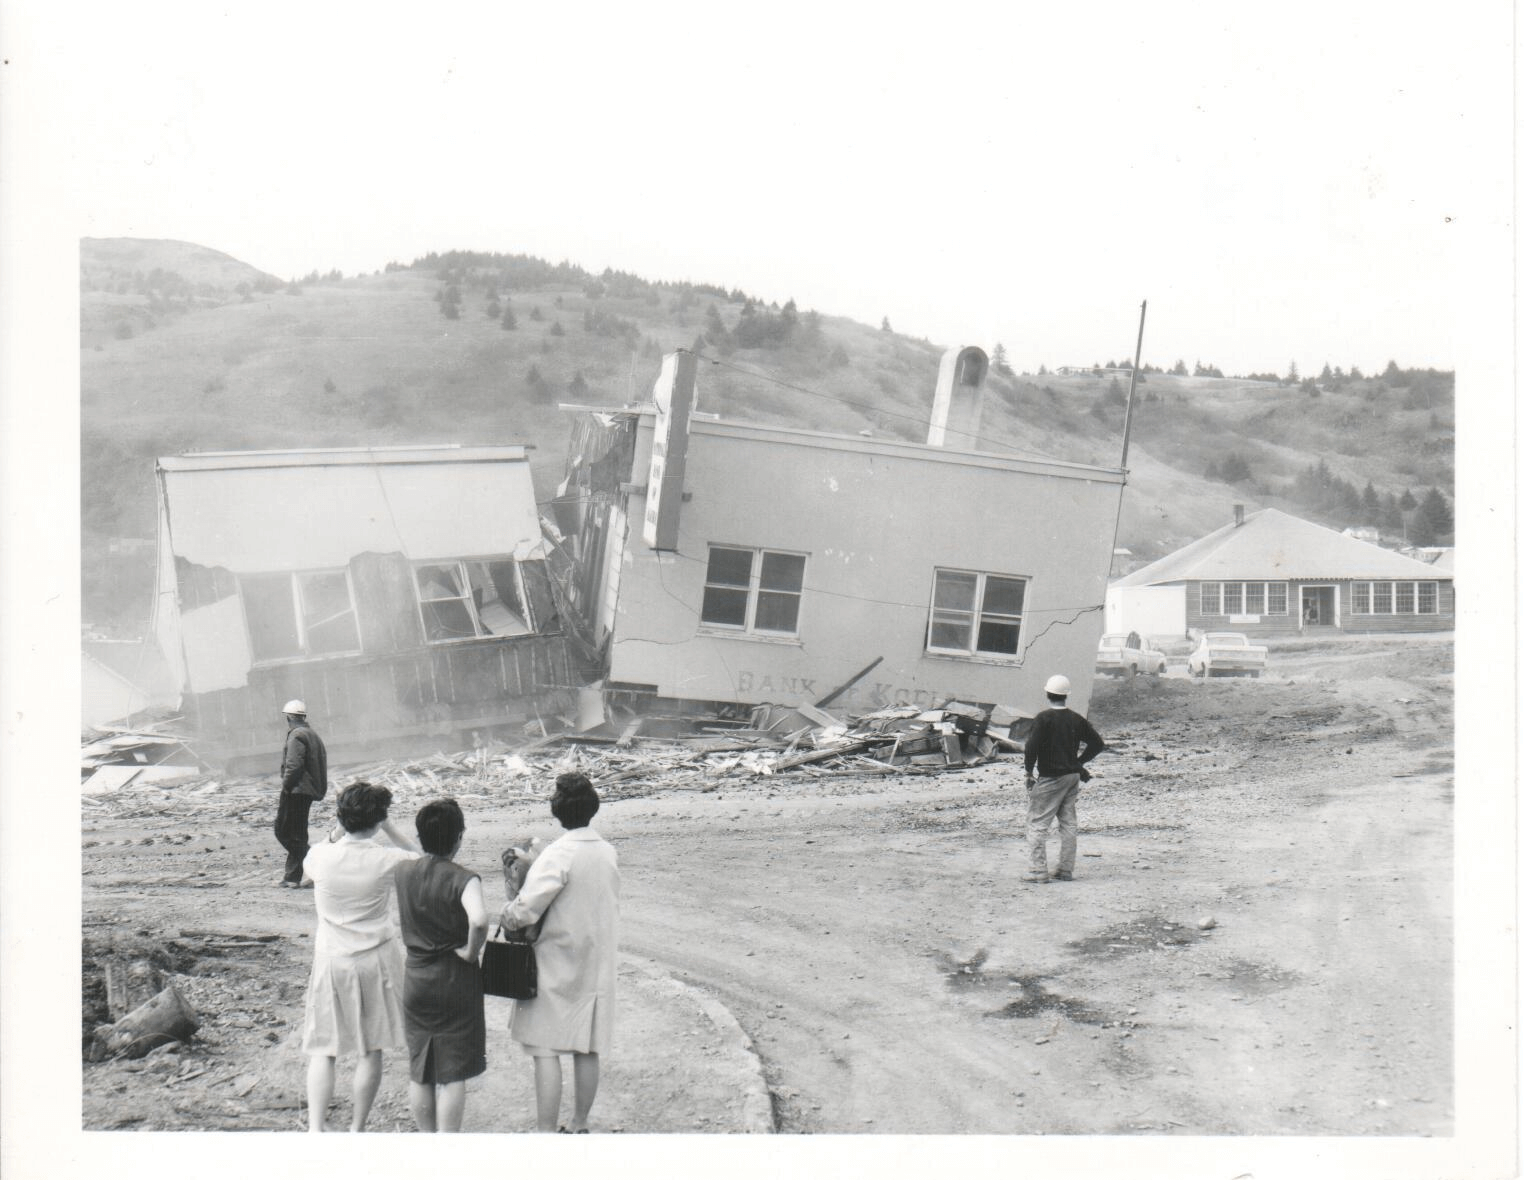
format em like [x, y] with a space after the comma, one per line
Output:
[111, 757]
[690, 752]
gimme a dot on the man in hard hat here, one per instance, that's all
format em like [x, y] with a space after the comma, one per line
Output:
[303, 779]
[1054, 747]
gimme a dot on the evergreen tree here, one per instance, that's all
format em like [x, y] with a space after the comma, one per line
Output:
[1407, 502]
[1436, 514]
[1370, 505]
[510, 321]
[884, 327]
[998, 360]
[1235, 468]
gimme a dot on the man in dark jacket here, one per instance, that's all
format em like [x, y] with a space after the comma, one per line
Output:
[1053, 747]
[303, 778]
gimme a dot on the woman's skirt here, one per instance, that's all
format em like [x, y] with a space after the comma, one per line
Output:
[354, 1002]
[446, 1024]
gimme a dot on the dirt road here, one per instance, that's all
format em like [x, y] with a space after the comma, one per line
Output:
[1258, 940]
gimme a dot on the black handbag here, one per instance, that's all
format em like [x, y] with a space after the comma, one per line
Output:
[509, 969]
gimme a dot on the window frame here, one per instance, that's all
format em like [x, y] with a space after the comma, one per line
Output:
[977, 616]
[298, 616]
[754, 592]
[463, 576]
[1265, 591]
[1416, 591]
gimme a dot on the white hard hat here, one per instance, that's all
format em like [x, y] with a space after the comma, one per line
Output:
[301, 707]
[1057, 685]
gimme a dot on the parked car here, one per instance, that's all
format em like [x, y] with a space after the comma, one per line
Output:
[1226, 653]
[1127, 655]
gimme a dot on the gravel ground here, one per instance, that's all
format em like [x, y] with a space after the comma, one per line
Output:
[1255, 853]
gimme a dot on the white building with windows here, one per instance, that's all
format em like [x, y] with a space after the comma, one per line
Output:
[730, 562]
[400, 591]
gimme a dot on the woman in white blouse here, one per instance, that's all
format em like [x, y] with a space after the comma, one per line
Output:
[574, 885]
[354, 998]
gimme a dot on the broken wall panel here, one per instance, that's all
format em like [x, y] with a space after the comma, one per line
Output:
[426, 692]
[384, 600]
[216, 646]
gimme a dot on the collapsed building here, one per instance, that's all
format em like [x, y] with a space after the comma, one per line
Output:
[724, 561]
[401, 592]
[692, 564]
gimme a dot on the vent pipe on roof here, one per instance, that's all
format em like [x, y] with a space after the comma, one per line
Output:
[1238, 515]
[959, 401]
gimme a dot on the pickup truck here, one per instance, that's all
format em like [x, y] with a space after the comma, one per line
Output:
[1226, 653]
[1127, 655]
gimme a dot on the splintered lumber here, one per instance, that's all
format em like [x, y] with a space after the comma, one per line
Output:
[165, 1018]
[130, 984]
[627, 735]
[818, 716]
[844, 685]
[853, 747]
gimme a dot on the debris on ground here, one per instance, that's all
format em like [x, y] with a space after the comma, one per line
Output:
[159, 1021]
[623, 756]
[111, 757]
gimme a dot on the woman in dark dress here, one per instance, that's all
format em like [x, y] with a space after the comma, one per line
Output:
[444, 924]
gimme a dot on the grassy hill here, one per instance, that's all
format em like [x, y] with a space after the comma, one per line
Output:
[183, 348]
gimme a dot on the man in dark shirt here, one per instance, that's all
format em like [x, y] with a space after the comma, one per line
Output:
[303, 778]
[1053, 747]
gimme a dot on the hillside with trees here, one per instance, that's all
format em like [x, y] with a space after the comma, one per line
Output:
[183, 348]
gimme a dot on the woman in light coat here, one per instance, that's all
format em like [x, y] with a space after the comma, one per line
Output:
[574, 884]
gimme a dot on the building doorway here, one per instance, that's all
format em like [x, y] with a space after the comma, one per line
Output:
[1319, 607]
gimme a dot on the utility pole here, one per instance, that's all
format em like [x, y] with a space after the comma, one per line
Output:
[1132, 385]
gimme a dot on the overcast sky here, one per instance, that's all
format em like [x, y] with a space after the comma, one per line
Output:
[1283, 183]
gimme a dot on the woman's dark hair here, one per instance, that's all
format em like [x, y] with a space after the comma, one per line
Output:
[440, 824]
[575, 802]
[362, 806]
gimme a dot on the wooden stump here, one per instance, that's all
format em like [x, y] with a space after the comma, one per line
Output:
[165, 1018]
[130, 984]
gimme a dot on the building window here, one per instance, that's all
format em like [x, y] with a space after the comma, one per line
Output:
[291, 616]
[756, 591]
[976, 613]
[470, 599]
[1395, 598]
[1243, 598]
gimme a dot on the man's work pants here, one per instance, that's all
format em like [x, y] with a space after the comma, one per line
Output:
[1047, 798]
[291, 831]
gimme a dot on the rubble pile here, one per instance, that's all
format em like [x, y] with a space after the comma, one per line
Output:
[111, 757]
[622, 763]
